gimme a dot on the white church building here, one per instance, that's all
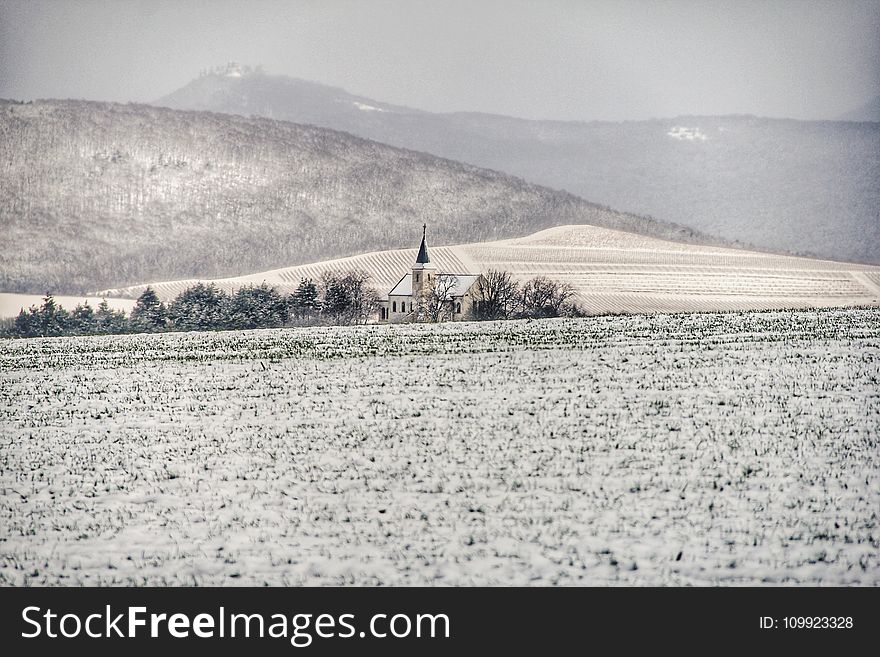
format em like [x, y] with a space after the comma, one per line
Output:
[426, 295]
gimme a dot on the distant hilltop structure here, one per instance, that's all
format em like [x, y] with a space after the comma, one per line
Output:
[232, 70]
[426, 295]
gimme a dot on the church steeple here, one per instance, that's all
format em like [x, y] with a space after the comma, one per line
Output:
[423, 274]
[422, 258]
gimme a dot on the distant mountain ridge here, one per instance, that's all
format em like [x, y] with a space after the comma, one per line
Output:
[870, 111]
[798, 186]
[97, 195]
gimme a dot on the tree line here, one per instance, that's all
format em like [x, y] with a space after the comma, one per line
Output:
[337, 299]
[501, 297]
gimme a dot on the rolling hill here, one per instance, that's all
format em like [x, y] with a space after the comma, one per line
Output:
[784, 185]
[100, 194]
[612, 272]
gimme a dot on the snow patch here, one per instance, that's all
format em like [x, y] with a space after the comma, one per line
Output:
[368, 108]
[680, 132]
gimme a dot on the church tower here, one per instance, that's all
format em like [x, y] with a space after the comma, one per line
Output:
[423, 274]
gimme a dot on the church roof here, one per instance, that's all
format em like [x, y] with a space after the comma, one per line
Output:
[461, 285]
[422, 258]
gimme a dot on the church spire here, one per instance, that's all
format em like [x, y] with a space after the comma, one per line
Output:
[422, 258]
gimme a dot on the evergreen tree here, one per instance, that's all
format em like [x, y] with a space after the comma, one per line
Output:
[336, 302]
[27, 323]
[304, 301]
[149, 315]
[255, 307]
[199, 308]
[109, 321]
[52, 317]
[82, 320]
[7, 328]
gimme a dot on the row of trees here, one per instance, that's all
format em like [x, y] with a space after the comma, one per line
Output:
[501, 297]
[340, 299]
[51, 319]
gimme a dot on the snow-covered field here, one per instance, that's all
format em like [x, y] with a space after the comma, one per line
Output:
[669, 449]
[611, 271]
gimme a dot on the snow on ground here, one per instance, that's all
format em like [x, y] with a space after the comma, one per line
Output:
[12, 304]
[611, 271]
[703, 449]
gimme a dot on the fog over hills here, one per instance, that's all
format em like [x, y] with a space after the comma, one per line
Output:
[98, 195]
[870, 111]
[798, 186]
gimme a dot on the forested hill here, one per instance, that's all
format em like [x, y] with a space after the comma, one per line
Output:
[98, 195]
[800, 186]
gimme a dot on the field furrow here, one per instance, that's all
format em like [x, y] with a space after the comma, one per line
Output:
[612, 272]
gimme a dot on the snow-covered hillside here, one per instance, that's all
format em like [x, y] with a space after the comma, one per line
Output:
[784, 185]
[100, 194]
[612, 271]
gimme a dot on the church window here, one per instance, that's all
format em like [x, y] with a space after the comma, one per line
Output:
[417, 278]
[394, 306]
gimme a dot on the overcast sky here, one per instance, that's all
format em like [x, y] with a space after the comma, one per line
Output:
[599, 59]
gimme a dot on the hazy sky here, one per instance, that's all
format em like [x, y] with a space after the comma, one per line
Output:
[599, 59]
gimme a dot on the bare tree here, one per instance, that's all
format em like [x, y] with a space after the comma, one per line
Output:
[438, 300]
[542, 297]
[364, 298]
[348, 297]
[497, 295]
